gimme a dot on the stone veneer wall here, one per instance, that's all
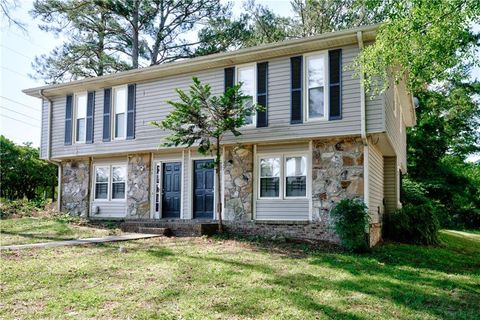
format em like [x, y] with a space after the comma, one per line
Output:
[238, 183]
[75, 187]
[138, 186]
[337, 173]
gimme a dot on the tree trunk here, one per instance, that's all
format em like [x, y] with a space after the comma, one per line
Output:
[219, 167]
[135, 41]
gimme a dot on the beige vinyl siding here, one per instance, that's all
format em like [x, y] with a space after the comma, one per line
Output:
[375, 183]
[151, 105]
[113, 208]
[375, 115]
[390, 184]
[283, 208]
[44, 131]
[395, 128]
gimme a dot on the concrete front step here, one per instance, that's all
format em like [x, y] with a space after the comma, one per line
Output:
[178, 228]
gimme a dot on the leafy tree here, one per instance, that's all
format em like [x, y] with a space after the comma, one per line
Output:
[23, 174]
[203, 120]
[421, 41]
[90, 49]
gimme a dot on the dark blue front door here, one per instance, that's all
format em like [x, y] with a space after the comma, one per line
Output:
[171, 190]
[203, 189]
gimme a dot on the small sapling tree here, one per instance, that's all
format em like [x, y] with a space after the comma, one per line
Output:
[203, 120]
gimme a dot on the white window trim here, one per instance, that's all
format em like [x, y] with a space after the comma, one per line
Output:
[74, 116]
[259, 170]
[110, 182]
[282, 186]
[254, 66]
[114, 114]
[291, 155]
[326, 86]
[95, 167]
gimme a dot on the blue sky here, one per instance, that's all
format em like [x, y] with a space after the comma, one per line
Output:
[20, 114]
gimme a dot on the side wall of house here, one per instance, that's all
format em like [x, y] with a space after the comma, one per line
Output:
[44, 130]
[395, 128]
[390, 184]
[375, 183]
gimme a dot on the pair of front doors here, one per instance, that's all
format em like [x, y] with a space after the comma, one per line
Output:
[169, 189]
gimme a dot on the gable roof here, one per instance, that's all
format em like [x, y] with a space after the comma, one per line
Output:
[218, 60]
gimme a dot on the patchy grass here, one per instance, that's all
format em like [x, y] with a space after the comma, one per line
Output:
[205, 278]
[34, 229]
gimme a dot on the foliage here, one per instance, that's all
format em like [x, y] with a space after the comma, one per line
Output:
[351, 220]
[446, 133]
[202, 119]
[10, 208]
[414, 223]
[420, 41]
[23, 173]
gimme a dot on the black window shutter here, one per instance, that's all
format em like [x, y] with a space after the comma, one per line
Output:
[90, 112]
[107, 108]
[262, 94]
[68, 120]
[296, 115]
[229, 78]
[131, 111]
[335, 84]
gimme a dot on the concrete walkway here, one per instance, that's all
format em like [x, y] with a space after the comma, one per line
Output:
[123, 237]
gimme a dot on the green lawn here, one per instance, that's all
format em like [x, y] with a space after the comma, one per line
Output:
[213, 278]
[32, 230]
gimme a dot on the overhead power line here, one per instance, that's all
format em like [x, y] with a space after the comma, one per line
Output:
[20, 103]
[4, 115]
[20, 113]
[16, 51]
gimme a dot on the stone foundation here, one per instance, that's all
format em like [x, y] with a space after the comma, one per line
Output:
[75, 187]
[375, 234]
[138, 186]
[238, 183]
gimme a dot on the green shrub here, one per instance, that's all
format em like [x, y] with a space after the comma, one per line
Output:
[414, 223]
[350, 223]
[24, 207]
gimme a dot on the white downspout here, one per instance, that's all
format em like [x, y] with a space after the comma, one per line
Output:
[49, 149]
[363, 126]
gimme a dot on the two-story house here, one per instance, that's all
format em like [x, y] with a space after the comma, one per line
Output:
[320, 139]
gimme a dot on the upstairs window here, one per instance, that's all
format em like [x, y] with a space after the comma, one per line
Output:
[247, 76]
[80, 117]
[119, 110]
[315, 86]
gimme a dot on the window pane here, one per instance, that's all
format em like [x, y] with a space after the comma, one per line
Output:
[247, 77]
[296, 166]
[118, 174]
[120, 125]
[118, 190]
[81, 130]
[315, 71]
[101, 190]
[101, 174]
[249, 119]
[120, 100]
[81, 106]
[316, 103]
[270, 167]
[296, 186]
[269, 187]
